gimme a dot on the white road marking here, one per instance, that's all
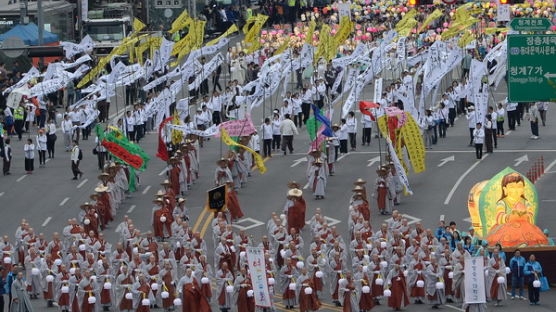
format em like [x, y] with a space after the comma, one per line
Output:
[409, 218]
[130, 210]
[467, 220]
[458, 182]
[452, 307]
[47, 160]
[63, 202]
[163, 171]
[509, 132]
[254, 223]
[1, 194]
[306, 186]
[21, 178]
[298, 161]
[549, 200]
[446, 160]
[521, 159]
[146, 189]
[547, 169]
[82, 183]
[46, 221]
[373, 160]
[340, 158]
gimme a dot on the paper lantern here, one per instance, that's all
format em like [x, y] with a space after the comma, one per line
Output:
[501, 280]
[271, 281]
[107, 285]
[365, 268]
[93, 278]
[163, 219]
[308, 291]
[405, 273]
[87, 221]
[383, 245]
[366, 289]
[233, 248]
[7, 260]
[82, 247]
[369, 246]
[164, 295]
[177, 302]
[92, 300]
[242, 254]
[282, 253]
[536, 283]
[49, 278]
[72, 271]
[58, 262]
[508, 270]
[420, 283]
[319, 274]
[65, 289]
[379, 281]
[291, 286]
[205, 280]
[145, 302]
[387, 293]
[229, 289]
[439, 285]
[35, 271]
[135, 250]
[129, 296]
[341, 281]
[300, 264]
[250, 293]
[383, 264]
[450, 275]
[486, 272]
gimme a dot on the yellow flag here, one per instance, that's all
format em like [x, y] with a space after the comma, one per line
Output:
[177, 136]
[324, 44]
[282, 47]
[228, 32]
[252, 36]
[180, 22]
[492, 30]
[466, 39]
[405, 20]
[433, 16]
[346, 28]
[259, 162]
[138, 25]
[310, 32]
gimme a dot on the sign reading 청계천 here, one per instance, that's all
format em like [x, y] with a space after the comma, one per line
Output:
[531, 68]
[530, 24]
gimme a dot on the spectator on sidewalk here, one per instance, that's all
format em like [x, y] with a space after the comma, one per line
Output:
[534, 117]
[287, 130]
[517, 265]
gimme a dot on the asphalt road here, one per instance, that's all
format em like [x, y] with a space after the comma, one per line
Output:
[48, 197]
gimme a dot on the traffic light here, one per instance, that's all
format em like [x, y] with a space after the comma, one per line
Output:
[414, 3]
[503, 1]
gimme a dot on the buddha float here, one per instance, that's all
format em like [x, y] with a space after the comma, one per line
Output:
[504, 210]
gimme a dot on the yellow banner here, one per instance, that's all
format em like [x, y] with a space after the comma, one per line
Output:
[466, 39]
[310, 32]
[180, 22]
[283, 46]
[433, 16]
[228, 32]
[402, 24]
[252, 36]
[324, 44]
[259, 162]
[492, 30]
[346, 28]
[138, 25]
[177, 136]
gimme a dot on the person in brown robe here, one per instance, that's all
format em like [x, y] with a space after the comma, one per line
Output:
[232, 202]
[399, 297]
[296, 212]
[158, 225]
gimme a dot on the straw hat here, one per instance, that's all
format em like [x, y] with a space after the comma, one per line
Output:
[101, 188]
[293, 185]
[318, 161]
[358, 189]
[103, 175]
[359, 181]
[160, 193]
[335, 126]
[165, 182]
[181, 200]
[295, 192]
[158, 201]
[86, 204]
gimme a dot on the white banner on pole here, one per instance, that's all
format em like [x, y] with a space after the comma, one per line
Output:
[474, 280]
[399, 168]
[257, 270]
[503, 13]
[378, 90]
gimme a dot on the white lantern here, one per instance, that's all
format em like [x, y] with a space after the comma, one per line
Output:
[271, 281]
[282, 253]
[229, 289]
[342, 281]
[99, 262]
[233, 248]
[65, 289]
[383, 245]
[135, 250]
[58, 262]
[163, 219]
[501, 280]
[129, 296]
[366, 289]
[383, 264]
[379, 281]
[72, 271]
[486, 272]
[82, 247]
[508, 270]
[405, 273]
[387, 293]
[154, 286]
[205, 280]
[420, 283]
[164, 295]
[87, 221]
[450, 275]
[177, 302]
[365, 268]
[300, 264]
[250, 293]
[92, 300]
[49, 278]
[35, 271]
[107, 285]
[291, 286]
[145, 302]
[366, 257]
[178, 244]
[271, 260]
[369, 246]
[536, 283]
[242, 254]
[439, 285]
[319, 274]
[148, 254]
[308, 291]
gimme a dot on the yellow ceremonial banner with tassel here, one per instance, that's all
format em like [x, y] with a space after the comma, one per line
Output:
[433, 16]
[259, 162]
[492, 30]
[117, 130]
[466, 39]
[402, 24]
[177, 136]
[346, 28]
[251, 39]
[323, 46]
[310, 32]
[138, 25]
[228, 32]
[180, 22]
[283, 46]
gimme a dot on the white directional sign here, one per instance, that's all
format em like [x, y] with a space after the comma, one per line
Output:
[521, 159]
[446, 160]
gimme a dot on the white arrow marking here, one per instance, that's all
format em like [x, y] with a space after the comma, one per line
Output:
[521, 159]
[163, 171]
[298, 161]
[443, 161]
[130, 210]
[340, 158]
[372, 161]
[46, 221]
[549, 75]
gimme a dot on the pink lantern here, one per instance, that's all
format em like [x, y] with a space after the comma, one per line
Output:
[273, 33]
[367, 2]
[358, 26]
[333, 31]
[414, 30]
[369, 29]
[445, 29]
[359, 32]
[438, 30]
[262, 41]
[357, 38]
[553, 27]
[280, 32]
[264, 32]
[445, 24]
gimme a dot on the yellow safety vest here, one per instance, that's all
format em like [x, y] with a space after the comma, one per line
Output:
[19, 113]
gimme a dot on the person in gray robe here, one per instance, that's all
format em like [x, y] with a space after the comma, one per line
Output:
[20, 297]
[434, 284]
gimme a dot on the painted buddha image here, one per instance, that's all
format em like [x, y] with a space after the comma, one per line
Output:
[515, 216]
